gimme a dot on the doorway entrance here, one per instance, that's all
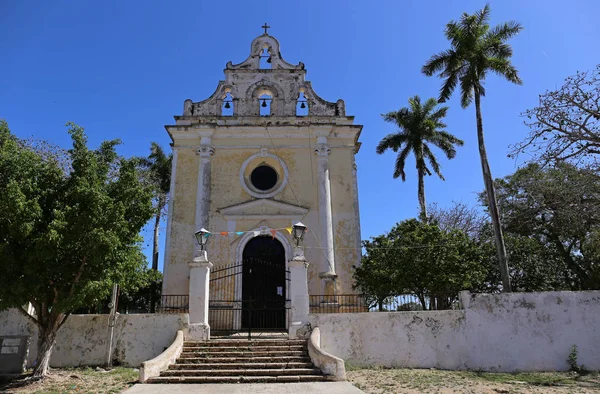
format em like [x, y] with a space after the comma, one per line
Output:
[264, 285]
[251, 295]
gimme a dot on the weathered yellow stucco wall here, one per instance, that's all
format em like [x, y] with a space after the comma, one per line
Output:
[227, 191]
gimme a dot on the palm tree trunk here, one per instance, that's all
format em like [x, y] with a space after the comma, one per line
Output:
[423, 214]
[492, 202]
[156, 246]
[155, 254]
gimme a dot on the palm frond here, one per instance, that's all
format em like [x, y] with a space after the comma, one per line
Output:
[483, 16]
[448, 88]
[467, 83]
[504, 68]
[391, 141]
[438, 115]
[438, 62]
[445, 142]
[454, 33]
[495, 48]
[399, 117]
[505, 31]
[429, 106]
[400, 162]
[415, 104]
[432, 161]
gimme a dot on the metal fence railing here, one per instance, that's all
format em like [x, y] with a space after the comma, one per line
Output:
[178, 303]
[355, 303]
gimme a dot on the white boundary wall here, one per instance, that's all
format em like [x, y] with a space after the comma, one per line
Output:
[503, 332]
[83, 339]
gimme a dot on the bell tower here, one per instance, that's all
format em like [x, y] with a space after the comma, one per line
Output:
[263, 152]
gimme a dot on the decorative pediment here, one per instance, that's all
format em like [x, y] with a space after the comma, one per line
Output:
[263, 209]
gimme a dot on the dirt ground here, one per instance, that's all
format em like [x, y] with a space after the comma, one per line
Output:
[371, 380]
[74, 380]
[411, 381]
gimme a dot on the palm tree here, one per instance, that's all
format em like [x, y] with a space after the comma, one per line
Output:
[418, 125]
[476, 49]
[158, 166]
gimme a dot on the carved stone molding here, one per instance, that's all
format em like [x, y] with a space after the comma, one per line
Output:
[205, 151]
[322, 150]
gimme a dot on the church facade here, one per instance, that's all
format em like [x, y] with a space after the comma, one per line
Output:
[261, 154]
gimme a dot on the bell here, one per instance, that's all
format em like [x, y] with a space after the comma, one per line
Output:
[227, 104]
[264, 104]
[269, 59]
[303, 105]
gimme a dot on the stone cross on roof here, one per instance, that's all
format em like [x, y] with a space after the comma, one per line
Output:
[265, 26]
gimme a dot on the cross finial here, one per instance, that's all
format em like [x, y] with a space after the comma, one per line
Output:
[265, 26]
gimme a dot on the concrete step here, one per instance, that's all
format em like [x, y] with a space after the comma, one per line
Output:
[245, 342]
[281, 359]
[274, 353]
[215, 349]
[246, 365]
[242, 372]
[239, 379]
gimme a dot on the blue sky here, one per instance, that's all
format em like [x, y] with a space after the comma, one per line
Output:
[123, 69]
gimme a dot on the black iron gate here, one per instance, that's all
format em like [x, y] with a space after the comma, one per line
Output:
[249, 297]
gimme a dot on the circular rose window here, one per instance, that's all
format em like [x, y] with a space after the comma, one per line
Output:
[264, 177]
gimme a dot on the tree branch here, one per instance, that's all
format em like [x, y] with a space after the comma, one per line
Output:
[24, 313]
[77, 276]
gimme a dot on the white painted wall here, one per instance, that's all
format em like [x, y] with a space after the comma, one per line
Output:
[504, 332]
[83, 338]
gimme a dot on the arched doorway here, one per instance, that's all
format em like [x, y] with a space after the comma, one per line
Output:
[264, 284]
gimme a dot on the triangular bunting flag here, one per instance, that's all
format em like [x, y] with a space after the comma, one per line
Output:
[273, 232]
[224, 233]
[239, 232]
[289, 229]
[256, 233]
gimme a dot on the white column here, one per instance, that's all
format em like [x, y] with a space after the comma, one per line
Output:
[298, 267]
[325, 216]
[203, 191]
[198, 328]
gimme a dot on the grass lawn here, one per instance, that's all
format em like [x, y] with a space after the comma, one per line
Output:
[370, 380]
[381, 380]
[74, 380]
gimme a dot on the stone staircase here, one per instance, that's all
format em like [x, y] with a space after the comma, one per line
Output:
[242, 361]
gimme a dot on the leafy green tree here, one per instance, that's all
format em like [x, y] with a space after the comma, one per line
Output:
[158, 166]
[560, 207]
[66, 236]
[419, 258]
[475, 50]
[419, 125]
[375, 277]
[535, 265]
[435, 264]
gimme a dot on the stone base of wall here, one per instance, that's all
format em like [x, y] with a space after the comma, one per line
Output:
[83, 339]
[503, 332]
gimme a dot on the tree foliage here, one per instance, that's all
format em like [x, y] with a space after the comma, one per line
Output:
[565, 125]
[375, 277]
[419, 126]
[423, 260]
[560, 207]
[66, 236]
